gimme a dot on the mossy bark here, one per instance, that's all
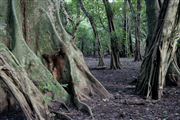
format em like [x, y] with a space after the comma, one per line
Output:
[82, 81]
[28, 42]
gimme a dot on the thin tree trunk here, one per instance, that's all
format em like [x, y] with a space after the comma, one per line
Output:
[115, 62]
[137, 54]
[130, 37]
[96, 34]
[125, 31]
[131, 18]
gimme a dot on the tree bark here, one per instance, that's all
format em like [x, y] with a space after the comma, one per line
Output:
[28, 96]
[96, 34]
[125, 31]
[130, 37]
[173, 74]
[115, 62]
[31, 81]
[132, 17]
[161, 53]
[137, 53]
[152, 12]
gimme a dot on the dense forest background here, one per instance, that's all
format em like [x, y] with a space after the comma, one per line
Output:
[125, 24]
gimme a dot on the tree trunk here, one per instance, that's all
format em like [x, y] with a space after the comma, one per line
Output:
[132, 17]
[96, 34]
[23, 72]
[82, 45]
[161, 52]
[137, 53]
[178, 54]
[29, 98]
[173, 74]
[115, 62]
[125, 31]
[152, 12]
[130, 37]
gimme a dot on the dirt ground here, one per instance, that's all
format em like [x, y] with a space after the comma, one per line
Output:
[125, 105]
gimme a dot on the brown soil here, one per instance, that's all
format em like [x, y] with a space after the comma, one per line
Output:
[125, 105]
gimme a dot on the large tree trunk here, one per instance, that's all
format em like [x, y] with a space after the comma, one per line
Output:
[81, 83]
[152, 12]
[15, 78]
[96, 34]
[115, 62]
[161, 52]
[77, 82]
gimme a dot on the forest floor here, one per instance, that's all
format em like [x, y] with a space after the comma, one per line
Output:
[126, 105]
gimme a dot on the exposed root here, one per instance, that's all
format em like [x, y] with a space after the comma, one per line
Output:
[83, 106]
[173, 75]
[25, 94]
[95, 84]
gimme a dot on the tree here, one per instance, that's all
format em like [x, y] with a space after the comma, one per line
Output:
[23, 72]
[129, 32]
[152, 11]
[137, 53]
[160, 52]
[95, 31]
[115, 62]
[173, 73]
[125, 30]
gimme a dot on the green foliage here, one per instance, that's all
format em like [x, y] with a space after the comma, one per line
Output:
[48, 87]
[96, 8]
[85, 37]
